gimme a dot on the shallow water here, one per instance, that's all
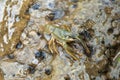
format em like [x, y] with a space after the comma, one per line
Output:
[23, 21]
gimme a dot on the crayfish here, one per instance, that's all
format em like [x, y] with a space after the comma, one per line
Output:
[62, 37]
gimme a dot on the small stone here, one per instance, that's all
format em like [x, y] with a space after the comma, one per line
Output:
[67, 77]
[47, 71]
[74, 1]
[31, 69]
[74, 6]
[39, 54]
[110, 31]
[116, 16]
[27, 12]
[19, 45]
[56, 14]
[51, 5]
[115, 23]
[38, 33]
[106, 1]
[13, 75]
[35, 61]
[11, 56]
[36, 6]
[103, 42]
[108, 10]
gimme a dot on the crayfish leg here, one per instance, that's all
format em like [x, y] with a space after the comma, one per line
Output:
[55, 48]
[50, 45]
[70, 51]
[52, 48]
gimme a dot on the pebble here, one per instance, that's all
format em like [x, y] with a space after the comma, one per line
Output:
[36, 6]
[31, 69]
[115, 23]
[110, 30]
[67, 77]
[11, 56]
[103, 42]
[38, 33]
[19, 45]
[74, 1]
[108, 10]
[51, 5]
[35, 61]
[39, 54]
[56, 14]
[106, 2]
[48, 70]
[74, 6]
